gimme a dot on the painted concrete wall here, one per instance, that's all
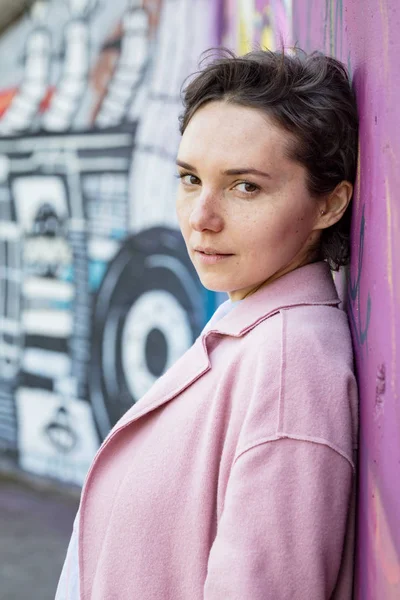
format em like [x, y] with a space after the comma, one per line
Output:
[365, 36]
[97, 294]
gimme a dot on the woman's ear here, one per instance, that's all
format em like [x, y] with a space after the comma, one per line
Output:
[333, 206]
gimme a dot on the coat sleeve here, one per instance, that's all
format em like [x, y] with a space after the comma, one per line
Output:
[283, 525]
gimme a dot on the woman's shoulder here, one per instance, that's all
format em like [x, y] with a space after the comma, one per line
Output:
[300, 328]
[304, 365]
[323, 327]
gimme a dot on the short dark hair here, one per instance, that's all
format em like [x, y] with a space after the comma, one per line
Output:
[310, 96]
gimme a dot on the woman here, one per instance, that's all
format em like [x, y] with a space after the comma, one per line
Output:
[233, 477]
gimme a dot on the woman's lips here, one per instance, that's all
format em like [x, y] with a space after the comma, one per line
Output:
[211, 259]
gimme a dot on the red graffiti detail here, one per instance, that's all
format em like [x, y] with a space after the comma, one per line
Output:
[47, 98]
[6, 97]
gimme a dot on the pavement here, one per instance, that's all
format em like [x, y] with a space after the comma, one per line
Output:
[35, 527]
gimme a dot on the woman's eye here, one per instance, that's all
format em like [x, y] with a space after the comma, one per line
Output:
[188, 179]
[247, 187]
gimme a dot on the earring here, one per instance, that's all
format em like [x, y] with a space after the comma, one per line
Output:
[322, 212]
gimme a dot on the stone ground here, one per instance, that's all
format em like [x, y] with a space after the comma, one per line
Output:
[35, 527]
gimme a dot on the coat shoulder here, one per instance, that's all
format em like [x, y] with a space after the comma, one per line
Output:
[319, 398]
[302, 383]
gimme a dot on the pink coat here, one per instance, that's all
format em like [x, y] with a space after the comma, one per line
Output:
[233, 477]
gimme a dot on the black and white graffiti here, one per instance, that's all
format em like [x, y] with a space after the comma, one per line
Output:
[97, 295]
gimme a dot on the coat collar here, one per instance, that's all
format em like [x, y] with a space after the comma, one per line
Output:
[310, 284]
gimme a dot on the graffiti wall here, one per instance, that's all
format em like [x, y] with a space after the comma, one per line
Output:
[365, 37]
[251, 24]
[97, 294]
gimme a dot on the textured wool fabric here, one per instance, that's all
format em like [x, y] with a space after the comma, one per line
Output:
[233, 477]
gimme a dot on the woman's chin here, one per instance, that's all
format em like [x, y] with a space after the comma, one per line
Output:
[214, 285]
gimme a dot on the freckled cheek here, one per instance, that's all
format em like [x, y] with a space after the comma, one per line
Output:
[295, 226]
[300, 226]
[246, 224]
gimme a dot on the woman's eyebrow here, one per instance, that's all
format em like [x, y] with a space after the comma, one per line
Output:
[241, 171]
[246, 171]
[185, 165]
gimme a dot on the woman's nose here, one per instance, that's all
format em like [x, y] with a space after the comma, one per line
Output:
[205, 214]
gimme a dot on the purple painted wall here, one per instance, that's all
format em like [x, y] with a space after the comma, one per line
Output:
[364, 35]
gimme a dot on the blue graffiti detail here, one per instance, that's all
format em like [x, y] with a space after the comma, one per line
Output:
[354, 307]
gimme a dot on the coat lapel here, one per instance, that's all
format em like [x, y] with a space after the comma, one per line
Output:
[192, 365]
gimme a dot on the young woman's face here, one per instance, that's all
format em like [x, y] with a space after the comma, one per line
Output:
[243, 206]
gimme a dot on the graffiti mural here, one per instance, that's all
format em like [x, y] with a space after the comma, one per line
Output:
[97, 294]
[251, 24]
